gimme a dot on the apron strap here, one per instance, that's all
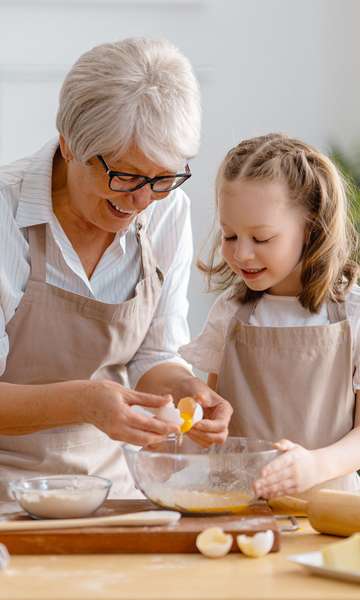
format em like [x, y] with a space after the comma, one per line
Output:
[148, 264]
[37, 248]
[245, 311]
[336, 311]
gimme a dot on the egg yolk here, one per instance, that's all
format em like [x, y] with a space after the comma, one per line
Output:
[187, 422]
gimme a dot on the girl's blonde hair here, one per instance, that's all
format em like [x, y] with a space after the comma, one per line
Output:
[313, 181]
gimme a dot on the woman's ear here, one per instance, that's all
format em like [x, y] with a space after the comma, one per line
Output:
[65, 150]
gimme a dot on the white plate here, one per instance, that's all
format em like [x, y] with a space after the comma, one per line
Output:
[313, 562]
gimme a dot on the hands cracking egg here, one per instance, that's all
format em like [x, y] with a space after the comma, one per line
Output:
[187, 413]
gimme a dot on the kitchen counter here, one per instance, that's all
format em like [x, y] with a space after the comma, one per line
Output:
[175, 576]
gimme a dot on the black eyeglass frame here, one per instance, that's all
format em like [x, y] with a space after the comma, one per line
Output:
[146, 180]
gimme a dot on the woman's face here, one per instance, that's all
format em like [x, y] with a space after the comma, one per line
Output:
[90, 199]
[262, 235]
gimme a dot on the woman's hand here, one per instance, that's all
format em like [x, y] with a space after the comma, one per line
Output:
[295, 471]
[213, 428]
[108, 406]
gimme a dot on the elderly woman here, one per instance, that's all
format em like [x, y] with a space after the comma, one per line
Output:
[95, 253]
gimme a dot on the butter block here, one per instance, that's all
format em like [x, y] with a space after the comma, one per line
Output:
[344, 555]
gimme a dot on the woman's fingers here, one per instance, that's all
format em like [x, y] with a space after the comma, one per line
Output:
[139, 438]
[217, 406]
[143, 423]
[151, 400]
[207, 439]
[207, 426]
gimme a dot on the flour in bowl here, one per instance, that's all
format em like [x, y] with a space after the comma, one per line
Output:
[61, 504]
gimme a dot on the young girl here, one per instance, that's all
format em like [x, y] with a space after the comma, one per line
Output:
[282, 341]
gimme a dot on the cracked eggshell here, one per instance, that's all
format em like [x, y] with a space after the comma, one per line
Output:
[170, 413]
[256, 545]
[189, 406]
[198, 413]
[213, 542]
[4, 557]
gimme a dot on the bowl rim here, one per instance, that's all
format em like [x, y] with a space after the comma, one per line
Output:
[130, 449]
[18, 484]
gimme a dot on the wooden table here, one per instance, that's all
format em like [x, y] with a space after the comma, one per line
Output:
[175, 576]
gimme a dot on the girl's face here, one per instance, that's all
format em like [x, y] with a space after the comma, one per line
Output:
[262, 235]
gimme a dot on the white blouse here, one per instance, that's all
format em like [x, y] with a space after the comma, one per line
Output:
[205, 351]
[25, 199]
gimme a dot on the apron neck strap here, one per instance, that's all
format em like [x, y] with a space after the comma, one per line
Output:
[148, 263]
[37, 247]
[245, 311]
[336, 311]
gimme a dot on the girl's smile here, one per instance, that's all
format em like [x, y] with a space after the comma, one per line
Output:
[252, 273]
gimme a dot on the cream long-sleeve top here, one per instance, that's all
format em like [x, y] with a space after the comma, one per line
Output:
[205, 351]
[25, 199]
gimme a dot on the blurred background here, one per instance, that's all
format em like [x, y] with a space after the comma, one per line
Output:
[263, 65]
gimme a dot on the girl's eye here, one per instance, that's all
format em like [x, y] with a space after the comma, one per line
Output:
[261, 241]
[229, 238]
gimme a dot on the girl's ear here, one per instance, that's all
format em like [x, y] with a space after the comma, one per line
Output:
[65, 150]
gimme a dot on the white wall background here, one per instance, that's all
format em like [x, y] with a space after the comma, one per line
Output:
[264, 65]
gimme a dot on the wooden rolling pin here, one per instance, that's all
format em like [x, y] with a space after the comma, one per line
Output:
[329, 511]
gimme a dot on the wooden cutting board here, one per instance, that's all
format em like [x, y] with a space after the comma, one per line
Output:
[176, 538]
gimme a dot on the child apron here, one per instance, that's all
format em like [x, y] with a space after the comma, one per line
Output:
[291, 382]
[56, 335]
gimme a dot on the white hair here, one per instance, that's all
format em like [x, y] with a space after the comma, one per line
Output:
[136, 91]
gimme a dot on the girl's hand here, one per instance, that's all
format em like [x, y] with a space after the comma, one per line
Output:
[107, 405]
[213, 428]
[293, 472]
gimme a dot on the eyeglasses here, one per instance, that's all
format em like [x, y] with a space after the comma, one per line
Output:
[129, 182]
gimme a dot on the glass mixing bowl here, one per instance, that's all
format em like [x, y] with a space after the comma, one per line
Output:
[183, 476]
[60, 496]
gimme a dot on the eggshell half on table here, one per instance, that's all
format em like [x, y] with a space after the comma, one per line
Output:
[213, 542]
[256, 545]
[4, 557]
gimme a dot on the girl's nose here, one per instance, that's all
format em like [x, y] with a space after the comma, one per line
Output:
[243, 251]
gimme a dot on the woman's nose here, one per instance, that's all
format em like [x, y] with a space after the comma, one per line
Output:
[142, 198]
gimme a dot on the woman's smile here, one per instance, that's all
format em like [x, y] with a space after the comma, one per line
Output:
[118, 212]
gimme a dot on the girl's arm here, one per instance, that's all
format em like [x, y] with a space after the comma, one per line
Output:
[299, 469]
[212, 381]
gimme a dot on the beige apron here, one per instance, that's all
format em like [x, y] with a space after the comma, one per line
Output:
[291, 382]
[57, 335]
